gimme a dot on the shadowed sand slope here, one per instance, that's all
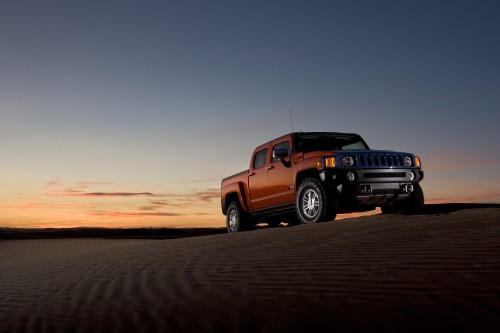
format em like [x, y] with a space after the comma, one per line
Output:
[111, 233]
[388, 273]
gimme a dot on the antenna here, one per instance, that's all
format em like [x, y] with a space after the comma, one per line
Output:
[291, 120]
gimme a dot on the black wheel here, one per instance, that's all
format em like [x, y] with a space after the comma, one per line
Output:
[397, 207]
[413, 205]
[315, 203]
[235, 218]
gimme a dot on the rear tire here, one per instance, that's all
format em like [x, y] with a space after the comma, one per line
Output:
[314, 203]
[236, 218]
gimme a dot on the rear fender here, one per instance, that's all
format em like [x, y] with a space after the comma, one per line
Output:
[239, 189]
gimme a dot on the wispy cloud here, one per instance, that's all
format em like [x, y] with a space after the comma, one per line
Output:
[166, 203]
[47, 205]
[206, 195]
[79, 187]
[483, 198]
[30, 205]
[56, 205]
[149, 204]
[458, 165]
[103, 194]
[148, 208]
[56, 188]
[131, 214]
[457, 160]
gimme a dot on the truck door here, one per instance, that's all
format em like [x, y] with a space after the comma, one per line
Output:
[280, 178]
[257, 179]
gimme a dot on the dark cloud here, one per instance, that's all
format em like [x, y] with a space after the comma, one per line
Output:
[207, 195]
[119, 194]
[56, 188]
[147, 208]
[165, 203]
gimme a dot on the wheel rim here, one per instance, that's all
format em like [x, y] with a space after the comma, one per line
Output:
[310, 203]
[233, 219]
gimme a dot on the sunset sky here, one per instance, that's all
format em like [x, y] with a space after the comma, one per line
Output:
[129, 113]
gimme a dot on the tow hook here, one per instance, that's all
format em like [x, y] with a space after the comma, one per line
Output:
[407, 188]
[366, 189]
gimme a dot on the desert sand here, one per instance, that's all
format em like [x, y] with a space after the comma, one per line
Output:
[391, 273]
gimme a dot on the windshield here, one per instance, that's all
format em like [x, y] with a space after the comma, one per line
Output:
[307, 142]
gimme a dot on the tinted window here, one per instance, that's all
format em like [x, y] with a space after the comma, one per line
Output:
[281, 145]
[260, 159]
[307, 142]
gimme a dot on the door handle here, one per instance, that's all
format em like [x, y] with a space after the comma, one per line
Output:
[270, 167]
[251, 174]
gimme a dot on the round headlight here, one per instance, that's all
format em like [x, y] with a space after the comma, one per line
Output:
[348, 161]
[407, 161]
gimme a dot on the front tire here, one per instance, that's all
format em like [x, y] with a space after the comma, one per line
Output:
[314, 203]
[413, 205]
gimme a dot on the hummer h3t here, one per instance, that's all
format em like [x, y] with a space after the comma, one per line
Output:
[310, 177]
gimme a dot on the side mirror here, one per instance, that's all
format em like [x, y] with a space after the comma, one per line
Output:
[282, 154]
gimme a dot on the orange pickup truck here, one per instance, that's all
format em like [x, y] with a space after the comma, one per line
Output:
[310, 177]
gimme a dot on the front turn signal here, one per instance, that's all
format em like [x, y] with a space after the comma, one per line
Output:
[330, 162]
[418, 164]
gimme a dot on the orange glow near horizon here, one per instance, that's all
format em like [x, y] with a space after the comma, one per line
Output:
[102, 204]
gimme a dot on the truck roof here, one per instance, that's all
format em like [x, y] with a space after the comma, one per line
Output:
[298, 133]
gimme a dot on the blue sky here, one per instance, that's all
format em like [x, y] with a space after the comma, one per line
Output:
[168, 97]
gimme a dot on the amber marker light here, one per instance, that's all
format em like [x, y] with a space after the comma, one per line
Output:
[417, 162]
[330, 162]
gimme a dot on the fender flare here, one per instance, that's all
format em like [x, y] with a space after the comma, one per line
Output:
[240, 190]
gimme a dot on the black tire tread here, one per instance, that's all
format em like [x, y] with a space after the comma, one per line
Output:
[245, 222]
[413, 205]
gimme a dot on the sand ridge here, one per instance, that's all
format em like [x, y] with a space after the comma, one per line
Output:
[388, 273]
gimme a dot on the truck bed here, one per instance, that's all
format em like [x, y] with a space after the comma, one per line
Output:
[235, 175]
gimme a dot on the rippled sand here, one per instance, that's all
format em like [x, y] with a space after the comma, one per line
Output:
[388, 273]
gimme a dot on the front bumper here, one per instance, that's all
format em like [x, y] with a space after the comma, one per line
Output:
[372, 186]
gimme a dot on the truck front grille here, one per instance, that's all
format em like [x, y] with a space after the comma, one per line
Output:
[379, 160]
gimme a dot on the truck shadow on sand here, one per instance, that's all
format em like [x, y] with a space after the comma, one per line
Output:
[454, 207]
[429, 209]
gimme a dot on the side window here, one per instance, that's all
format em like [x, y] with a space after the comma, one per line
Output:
[260, 159]
[281, 145]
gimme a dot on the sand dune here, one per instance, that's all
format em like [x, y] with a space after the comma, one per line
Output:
[388, 273]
